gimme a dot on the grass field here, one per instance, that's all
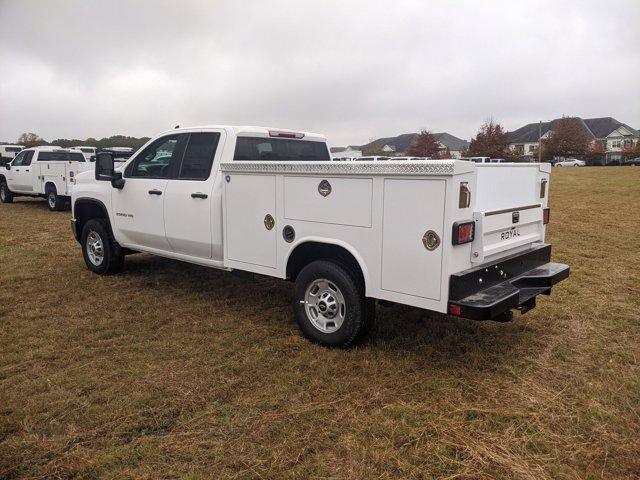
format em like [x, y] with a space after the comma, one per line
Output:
[170, 370]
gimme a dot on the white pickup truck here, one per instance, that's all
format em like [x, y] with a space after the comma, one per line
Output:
[444, 235]
[8, 153]
[42, 172]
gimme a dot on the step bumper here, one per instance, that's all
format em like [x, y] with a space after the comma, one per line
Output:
[514, 282]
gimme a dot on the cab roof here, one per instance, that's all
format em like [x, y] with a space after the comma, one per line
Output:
[52, 148]
[251, 131]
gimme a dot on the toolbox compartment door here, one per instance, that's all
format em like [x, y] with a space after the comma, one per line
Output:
[412, 207]
[248, 200]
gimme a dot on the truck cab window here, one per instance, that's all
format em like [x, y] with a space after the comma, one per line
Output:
[279, 149]
[155, 160]
[198, 156]
[17, 162]
[27, 158]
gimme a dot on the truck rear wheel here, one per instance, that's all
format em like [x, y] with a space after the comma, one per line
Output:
[99, 252]
[55, 202]
[330, 306]
[5, 194]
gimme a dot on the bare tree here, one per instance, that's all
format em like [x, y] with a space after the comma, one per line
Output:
[30, 140]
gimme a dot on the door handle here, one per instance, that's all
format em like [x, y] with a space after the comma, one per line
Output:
[199, 195]
[155, 192]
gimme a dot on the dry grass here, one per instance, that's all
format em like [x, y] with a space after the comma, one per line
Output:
[172, 370]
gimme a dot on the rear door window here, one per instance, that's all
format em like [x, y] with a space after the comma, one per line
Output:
[27, 158]
[280, 149]
[198, 156]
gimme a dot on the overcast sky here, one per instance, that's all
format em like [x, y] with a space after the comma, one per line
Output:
[351, 70]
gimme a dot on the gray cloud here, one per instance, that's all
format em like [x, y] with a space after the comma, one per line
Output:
[351, 70]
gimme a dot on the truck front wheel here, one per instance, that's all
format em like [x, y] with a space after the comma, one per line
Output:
[5, 194]
[55, 202]
[100, 253]
[330, 306]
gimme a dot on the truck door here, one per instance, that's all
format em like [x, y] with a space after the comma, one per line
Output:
[138, 208]
[190, 198]
[20, 179]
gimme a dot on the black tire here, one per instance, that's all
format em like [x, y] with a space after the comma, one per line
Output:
[112, 255]
[55, 202]
[5, 194]
[359, 311]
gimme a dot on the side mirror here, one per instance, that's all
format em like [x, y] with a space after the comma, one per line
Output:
[105, 170]
[7, 166]
[104, 166]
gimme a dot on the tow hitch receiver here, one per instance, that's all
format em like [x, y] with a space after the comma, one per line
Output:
[489, 291]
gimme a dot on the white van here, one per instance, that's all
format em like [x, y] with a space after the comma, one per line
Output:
[9, 152]
[43, 172]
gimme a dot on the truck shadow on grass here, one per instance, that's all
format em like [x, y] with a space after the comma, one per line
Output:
[399, 328]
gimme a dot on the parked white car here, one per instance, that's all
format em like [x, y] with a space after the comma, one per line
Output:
[42, 172]
[444, 235]
[9, 152]
[570, 162]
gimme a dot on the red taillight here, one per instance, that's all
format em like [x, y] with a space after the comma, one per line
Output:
[463, 232]
[545, 215]
[280, 134]
[455, 310]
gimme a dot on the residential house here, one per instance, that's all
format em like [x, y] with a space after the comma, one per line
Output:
[613, 134]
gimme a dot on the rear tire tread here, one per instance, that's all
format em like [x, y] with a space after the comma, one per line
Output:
[360, 310]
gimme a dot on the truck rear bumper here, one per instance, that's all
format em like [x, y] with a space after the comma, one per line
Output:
[514, 282]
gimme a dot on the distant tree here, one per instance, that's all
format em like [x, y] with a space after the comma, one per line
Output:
[426, 145]
[595, 154]
[30, 140]
[568, 139]
[492, 141]
[631, 149]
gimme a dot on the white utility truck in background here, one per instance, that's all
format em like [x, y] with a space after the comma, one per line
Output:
[8, 153]
[88, 152]
[43, 172]
[443, 235]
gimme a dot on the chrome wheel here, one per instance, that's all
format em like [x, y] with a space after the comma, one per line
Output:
[325, 306]
[52, 199]
[3, 193]
[95, 248]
